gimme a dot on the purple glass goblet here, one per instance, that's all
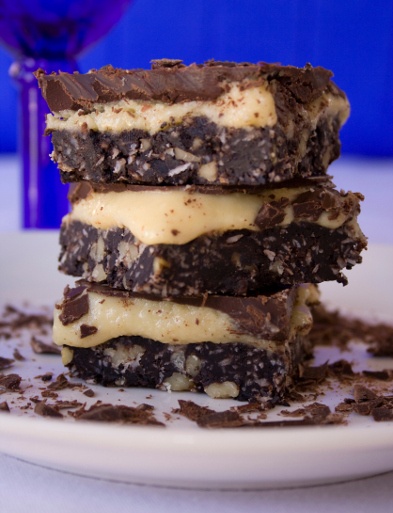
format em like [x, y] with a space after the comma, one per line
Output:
[47, 34]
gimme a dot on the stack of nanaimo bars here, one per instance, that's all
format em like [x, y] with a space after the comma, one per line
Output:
[202, 220]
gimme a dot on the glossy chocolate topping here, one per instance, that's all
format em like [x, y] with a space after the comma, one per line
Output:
[170, 81]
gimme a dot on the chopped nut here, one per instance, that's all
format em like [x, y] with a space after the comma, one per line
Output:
[222, 390]
[208, 171]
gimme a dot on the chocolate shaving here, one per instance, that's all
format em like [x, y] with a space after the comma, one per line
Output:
[191, 410]
[50, 394]
[47, 410]
[383, 413]
[341, 369]
[222, 419]
[314, 375]
[19, 319]
[63, 405]
[313, 414]
[207, 418]
[271, 214]
[250, 408]
[40, 347]
[87, 330]
[383, 375]
[60, 383]
[10, 382]
[367, 402]
[5, 363]
[335, 328]
[345, 406]
[141, 414]
[74, 306]
[362, 394]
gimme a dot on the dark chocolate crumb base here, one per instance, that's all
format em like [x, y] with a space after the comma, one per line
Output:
[242, 371]
[238, 263]
[175, 154]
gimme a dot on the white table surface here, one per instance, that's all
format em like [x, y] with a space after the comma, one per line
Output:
[28, 488]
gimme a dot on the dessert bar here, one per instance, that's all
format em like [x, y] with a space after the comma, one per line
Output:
[216, 123]
[189, 241]
[244, 348]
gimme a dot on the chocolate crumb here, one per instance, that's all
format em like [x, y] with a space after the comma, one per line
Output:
[60, 383]
[45, 377]
[89, 393]
[18, 356]
[4, 406]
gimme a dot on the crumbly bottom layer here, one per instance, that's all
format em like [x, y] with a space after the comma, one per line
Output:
[235, 370]
[198, 151]
[235, 263]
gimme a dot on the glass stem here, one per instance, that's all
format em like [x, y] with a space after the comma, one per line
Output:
[44, 197]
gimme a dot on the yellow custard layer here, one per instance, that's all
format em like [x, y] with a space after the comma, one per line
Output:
[253, 107]
[180, 215]
[170, 322]
[238, 108]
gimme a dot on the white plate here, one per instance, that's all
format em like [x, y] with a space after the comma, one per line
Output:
[181, 454]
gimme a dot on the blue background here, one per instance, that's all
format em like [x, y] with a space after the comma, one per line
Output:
[354, 38]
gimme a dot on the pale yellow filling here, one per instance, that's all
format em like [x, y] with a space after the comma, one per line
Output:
[253, 107]
[180, 216]
[168, 322]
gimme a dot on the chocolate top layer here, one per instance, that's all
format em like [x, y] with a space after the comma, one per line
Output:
[171, 81]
